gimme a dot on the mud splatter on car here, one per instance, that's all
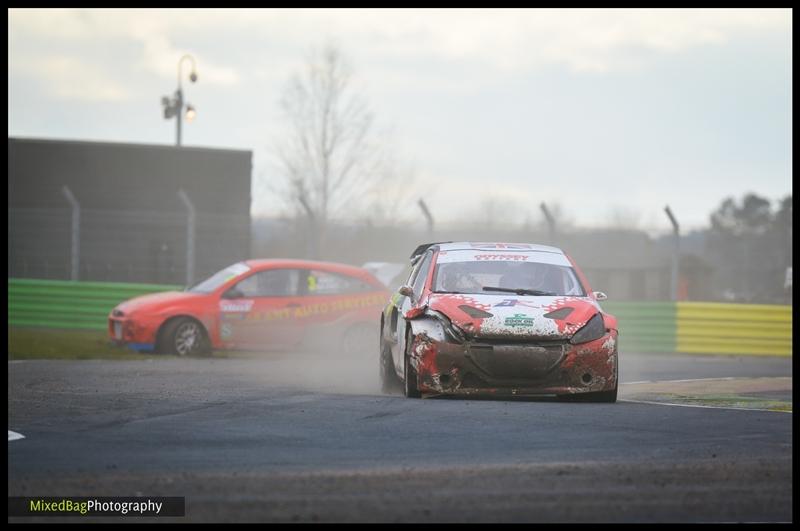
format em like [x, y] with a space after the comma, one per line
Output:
[498, 318]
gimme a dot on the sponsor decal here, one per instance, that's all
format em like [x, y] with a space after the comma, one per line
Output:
[515, 302]
[236, 306]
[499, 257]
[500, 246]
[309, 310]
[519, 319]
[510, 255]
[339, 305]
[226, 331]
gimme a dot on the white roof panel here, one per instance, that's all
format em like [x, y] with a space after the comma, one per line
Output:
[502, 255]
[499, 246]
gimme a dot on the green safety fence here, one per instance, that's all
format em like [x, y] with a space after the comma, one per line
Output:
[644, 326]
[703, 327]
[691, 327]
[67, 304]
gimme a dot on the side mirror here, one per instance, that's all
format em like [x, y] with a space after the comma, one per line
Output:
[599, 295]
[407, 291]
[233, 293]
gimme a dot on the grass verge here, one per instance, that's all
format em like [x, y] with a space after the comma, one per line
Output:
[47, 343]
[55, 344]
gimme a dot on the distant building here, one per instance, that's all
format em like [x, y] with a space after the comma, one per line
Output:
[133, 225]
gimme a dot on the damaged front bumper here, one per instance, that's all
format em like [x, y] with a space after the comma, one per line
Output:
[514, 368]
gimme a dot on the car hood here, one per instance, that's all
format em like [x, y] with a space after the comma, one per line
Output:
[513, 316]
[154, 302]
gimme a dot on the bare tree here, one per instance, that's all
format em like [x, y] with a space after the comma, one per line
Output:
[331, 158]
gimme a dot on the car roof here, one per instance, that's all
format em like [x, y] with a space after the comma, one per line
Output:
[336, 267]
[498, 246]
[494, 246]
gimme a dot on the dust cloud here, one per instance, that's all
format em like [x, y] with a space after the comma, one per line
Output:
[325, 367]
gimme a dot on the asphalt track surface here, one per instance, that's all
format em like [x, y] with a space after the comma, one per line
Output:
[311, 439]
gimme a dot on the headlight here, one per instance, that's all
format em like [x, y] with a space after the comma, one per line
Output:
[592, 330]
[451, 331]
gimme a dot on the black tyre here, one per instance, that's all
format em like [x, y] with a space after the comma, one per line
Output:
[609, 396]
[601, 396]
[390, 383]
[410, 388]
[184, 337]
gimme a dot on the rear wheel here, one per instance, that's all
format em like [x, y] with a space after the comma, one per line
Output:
[410, 388]
[184, 337]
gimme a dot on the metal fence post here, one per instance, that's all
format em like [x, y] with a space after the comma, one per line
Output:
[76, 231]
[312, 248]
[190, 232]
[676, 249]
[551, 224]
[428, 217]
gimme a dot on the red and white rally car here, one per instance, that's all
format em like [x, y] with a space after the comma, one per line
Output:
[498, 318]
[257, 305]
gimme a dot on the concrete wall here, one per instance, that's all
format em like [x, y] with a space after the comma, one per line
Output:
[133, 225]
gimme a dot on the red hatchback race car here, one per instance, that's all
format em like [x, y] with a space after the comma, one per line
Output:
[498, 318]
[257, 305]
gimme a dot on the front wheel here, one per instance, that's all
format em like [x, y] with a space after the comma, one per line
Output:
[410, 388]
[601, 396]
[390, 383]
[183, 337]
[609, 396]
[597, 396]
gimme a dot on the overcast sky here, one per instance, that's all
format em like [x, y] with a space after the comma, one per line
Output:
[608, 114]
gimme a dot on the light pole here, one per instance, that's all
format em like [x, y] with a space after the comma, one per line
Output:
[174, 106]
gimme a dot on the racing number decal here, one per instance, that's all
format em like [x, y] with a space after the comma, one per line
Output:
[312, 283]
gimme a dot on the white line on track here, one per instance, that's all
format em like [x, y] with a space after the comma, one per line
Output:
[697, 405]
[707, 379]
[13, 436]
[692, 380]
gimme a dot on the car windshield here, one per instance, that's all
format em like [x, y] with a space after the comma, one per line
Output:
[502, 273]
[219, 278]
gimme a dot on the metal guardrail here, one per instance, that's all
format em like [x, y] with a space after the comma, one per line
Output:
[66, 304]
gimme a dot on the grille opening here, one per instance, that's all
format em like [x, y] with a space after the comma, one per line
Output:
[540, 342]
[586, 378]
[444, 379]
